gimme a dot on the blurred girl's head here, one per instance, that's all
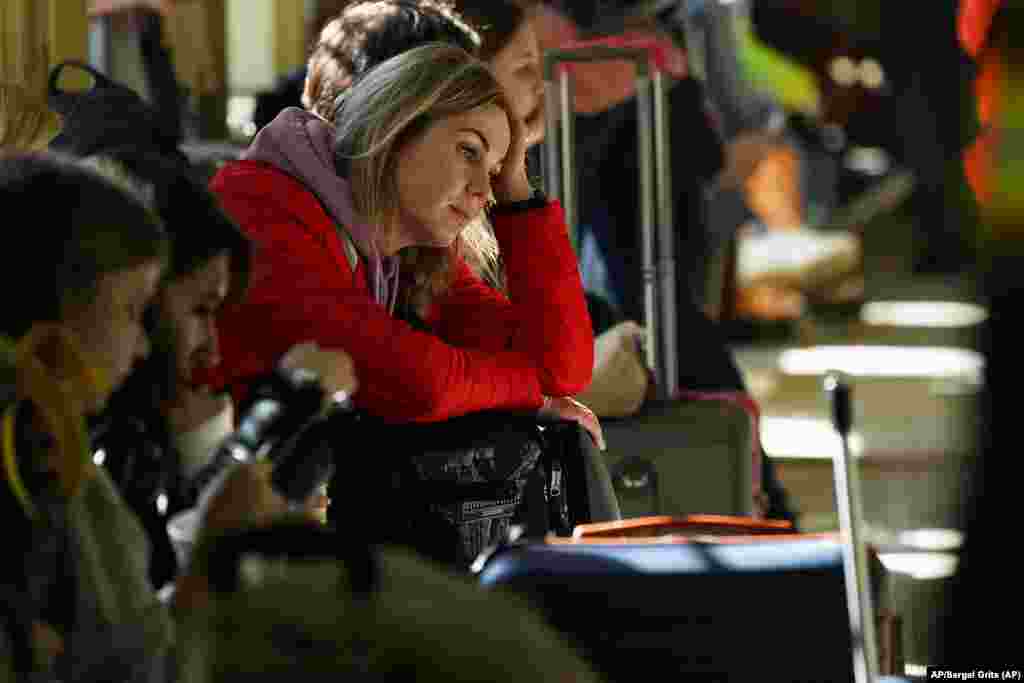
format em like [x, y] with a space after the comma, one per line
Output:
[90, 262]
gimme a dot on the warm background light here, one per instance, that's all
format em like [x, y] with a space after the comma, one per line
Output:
[925, 362]
[922, 313]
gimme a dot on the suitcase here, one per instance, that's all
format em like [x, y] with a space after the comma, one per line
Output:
[765, 609]
[683, 453]
[716, 599]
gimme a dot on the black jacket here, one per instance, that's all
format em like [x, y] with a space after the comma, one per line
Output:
[136, 449]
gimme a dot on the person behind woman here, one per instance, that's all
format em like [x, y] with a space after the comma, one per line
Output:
[509, 45]
[423, 145]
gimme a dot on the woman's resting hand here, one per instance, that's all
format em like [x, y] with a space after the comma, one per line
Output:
[568, 408]
[334, 368]
[512, 184]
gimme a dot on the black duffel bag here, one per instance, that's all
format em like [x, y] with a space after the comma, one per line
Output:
[452, 489]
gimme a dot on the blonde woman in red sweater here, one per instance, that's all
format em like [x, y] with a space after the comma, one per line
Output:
[349, 221]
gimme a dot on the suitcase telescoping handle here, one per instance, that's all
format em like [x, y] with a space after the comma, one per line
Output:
[851, 526]
[655, 183]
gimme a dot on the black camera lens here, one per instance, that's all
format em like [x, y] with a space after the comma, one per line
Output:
[279, 408]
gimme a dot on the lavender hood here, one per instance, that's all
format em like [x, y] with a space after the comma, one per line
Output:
[301, 144]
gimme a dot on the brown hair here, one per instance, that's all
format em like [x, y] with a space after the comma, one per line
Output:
[496, 21]
[369, 32]
[84, 227]
[26, 122]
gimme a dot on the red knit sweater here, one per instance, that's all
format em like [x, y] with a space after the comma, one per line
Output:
[487, 351]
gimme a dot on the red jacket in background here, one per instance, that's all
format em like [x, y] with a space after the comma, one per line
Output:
[488, 352]
[974, 23]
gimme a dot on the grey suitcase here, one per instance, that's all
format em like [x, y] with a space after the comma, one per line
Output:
[683, 453]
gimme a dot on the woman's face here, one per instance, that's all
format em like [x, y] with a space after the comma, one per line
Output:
[517, 67]
[190, 304]
[109, 326]
[444, 176]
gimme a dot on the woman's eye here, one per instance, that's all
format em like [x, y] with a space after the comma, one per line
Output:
[470, 152]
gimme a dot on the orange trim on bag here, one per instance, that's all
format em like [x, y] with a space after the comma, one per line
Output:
[667, 524]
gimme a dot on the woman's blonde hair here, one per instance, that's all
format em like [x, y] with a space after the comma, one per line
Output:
[26, 121]
[389, 107]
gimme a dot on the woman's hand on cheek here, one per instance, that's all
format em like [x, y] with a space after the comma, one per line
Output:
[535, 131]
[512, 184]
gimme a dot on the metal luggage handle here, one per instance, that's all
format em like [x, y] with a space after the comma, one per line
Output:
[659, 265]
[851, 525]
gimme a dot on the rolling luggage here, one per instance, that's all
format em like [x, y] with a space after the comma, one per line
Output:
[683, 453]
[763, 610]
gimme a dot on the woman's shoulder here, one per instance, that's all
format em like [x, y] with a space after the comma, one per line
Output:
[254, 178]
[250, 189]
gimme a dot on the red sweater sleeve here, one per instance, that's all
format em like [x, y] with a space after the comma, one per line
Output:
[545, 315]
[303, 288]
